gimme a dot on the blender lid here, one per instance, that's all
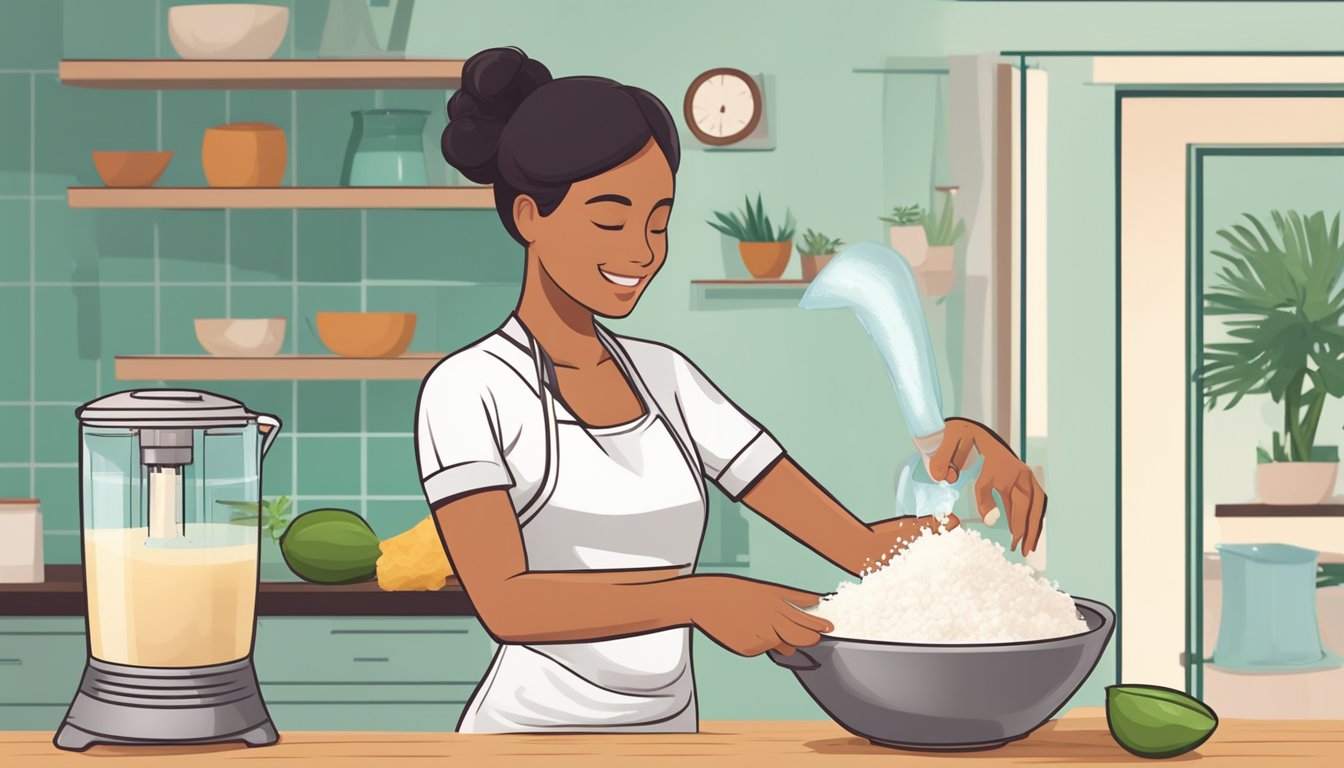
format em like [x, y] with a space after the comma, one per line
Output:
[164, 408]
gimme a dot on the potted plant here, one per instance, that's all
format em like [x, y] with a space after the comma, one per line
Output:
[815, 252]
[764, 247]
[907, 233]
[938, 272]
[1286, 341]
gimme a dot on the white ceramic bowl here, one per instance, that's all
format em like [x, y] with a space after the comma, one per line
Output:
[227, 30]
[241, 336]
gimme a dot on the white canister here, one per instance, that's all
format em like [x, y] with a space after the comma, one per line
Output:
[20, 541]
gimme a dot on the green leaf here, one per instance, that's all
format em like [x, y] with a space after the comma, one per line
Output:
[1262, 456]
[1324, 453]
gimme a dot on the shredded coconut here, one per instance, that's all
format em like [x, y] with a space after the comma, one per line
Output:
[951, 587]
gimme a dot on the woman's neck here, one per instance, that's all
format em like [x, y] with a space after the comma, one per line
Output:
[562, 326]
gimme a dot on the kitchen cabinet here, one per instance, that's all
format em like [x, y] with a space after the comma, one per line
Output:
[347, 673]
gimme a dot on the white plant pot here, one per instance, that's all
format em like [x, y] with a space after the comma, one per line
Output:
[911, 242]
[1296, 482]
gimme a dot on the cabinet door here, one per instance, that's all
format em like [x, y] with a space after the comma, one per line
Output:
[41, 661]
[375, 674]
[449, 650]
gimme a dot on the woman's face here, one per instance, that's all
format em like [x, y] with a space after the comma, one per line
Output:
[608, 237]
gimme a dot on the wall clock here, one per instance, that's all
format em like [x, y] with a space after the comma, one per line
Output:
[723, 106]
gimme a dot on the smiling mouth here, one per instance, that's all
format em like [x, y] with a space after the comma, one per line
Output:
[621, 280]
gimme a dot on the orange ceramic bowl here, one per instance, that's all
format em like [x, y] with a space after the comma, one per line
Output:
[366, 334]
[243, 155]
[131, 169]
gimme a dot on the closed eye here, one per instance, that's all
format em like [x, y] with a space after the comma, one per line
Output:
[662, 231]
[609, 227]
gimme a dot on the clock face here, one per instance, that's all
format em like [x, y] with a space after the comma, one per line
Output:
[723, 106]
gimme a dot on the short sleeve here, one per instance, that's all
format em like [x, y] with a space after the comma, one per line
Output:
[457, 435]
[735, 449]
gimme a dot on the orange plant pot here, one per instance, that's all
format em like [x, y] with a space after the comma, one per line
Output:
[765, 260]
[812, 265]
[243, 155]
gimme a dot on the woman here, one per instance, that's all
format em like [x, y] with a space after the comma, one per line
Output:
[566, 464]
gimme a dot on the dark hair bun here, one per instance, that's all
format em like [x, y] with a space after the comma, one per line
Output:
[494, 82]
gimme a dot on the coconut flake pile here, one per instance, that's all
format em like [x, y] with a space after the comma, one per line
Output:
[950, 588]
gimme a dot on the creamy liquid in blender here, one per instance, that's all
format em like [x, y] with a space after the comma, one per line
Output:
[187, 601]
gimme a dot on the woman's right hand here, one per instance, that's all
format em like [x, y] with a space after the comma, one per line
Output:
[750, 617]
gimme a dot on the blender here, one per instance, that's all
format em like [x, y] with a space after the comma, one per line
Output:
[170, 570]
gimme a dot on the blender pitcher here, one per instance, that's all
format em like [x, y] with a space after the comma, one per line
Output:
[170, 570]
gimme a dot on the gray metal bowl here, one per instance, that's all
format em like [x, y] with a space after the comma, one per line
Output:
[949, 697]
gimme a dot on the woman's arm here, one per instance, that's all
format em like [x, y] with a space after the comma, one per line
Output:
[789, 497]
[484, 544]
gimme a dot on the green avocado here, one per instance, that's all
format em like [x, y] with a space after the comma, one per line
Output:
[330, 546]
[1152, 721]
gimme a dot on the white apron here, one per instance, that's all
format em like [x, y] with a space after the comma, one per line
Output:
[616, 497]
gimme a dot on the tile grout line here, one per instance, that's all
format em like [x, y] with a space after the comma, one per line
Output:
[158, 144]
[294, 279]
[228, 227]
[363, 384]
[32, 285]
[246, 284]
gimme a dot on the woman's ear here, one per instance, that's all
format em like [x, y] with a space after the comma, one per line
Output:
[526, 217]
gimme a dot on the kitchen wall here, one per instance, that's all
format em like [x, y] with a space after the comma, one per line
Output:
[78, 287]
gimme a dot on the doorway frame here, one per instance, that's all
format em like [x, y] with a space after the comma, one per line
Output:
[1157, 670]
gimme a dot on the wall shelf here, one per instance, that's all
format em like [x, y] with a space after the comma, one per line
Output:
[286, 74]
[1334, 509]
[749, 293]
[414, 367]
[282, 197]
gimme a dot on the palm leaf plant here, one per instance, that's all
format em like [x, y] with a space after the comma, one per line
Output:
[752, 224]
[1284, 299]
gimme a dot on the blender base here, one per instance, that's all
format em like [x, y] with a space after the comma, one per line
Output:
[120, 704]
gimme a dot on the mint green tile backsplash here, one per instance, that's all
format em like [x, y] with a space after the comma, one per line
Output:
[15, 153]
[94, 284]
[14, 241]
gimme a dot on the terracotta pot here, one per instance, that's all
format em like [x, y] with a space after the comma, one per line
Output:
[1296, 482]
[765, 260]
[910, 241]
[243, 155]
[813, 264]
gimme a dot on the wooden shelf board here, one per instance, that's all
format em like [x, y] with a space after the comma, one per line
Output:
[287, 74]
[414, 366]
[1279, 510]
[753, 281]
[62, 594]
[281, 197]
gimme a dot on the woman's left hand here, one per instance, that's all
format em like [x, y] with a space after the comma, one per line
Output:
[1023, 497]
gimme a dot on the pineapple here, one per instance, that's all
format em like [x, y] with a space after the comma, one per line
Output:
[414, 560]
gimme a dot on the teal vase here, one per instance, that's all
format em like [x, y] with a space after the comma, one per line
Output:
[386, 149]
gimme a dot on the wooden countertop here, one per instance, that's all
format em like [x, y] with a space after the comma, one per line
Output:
[62, 594]
[1080, 738]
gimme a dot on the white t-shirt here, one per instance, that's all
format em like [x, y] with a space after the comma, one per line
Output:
[480, 425]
